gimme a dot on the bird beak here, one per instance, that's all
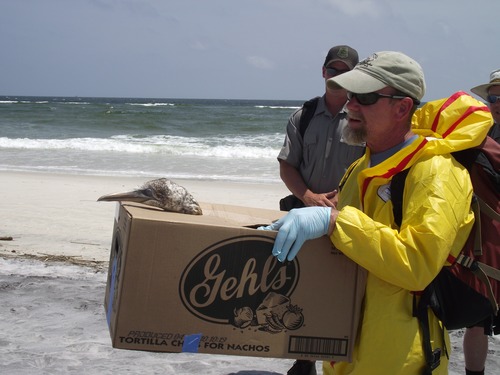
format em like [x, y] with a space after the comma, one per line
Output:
[139, 196]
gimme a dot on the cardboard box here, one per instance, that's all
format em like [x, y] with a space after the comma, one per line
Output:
[209, 284]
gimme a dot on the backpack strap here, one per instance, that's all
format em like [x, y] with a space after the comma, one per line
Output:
[397, 188]
[308, 109]
[420, 311]
[479, 205]
[489, 270]
[478, 238]
[420, 308]
[485, 208]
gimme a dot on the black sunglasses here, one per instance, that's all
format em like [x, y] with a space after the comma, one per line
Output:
[493, 98]
[371, 97]
[335, 72]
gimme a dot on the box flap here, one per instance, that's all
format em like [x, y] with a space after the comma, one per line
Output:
[213, 214]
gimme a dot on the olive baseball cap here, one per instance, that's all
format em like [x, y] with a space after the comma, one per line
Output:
[386, 68]
[346, 54]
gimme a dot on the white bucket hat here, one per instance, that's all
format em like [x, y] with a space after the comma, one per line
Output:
[482, 90]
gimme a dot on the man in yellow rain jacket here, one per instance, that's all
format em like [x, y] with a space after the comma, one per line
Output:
[384, 91]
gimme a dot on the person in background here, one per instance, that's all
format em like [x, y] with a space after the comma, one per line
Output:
[312, 164]
[384, 91]
[475, 342]
[491, 93]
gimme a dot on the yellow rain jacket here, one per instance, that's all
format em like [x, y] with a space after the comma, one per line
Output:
[436, 221]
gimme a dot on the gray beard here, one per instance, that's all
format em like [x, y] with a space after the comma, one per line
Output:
[354, 137]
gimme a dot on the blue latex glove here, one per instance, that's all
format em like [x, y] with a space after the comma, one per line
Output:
[298, 226]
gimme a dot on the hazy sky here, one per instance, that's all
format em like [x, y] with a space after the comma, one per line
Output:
[234, 49]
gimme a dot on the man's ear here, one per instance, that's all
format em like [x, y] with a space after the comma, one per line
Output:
[404, 108]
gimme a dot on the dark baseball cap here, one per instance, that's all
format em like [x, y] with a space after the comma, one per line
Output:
[346, 54]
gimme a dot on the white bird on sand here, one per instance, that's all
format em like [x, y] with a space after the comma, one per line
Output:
[161, 193]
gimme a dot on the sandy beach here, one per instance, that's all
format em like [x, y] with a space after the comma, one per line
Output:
[53, 276]
[58, 214]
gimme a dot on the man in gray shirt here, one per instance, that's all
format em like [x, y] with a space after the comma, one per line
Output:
[312, 164]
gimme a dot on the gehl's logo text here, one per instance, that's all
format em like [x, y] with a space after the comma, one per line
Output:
[238, 281]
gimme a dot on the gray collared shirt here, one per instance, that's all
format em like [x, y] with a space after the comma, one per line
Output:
[321, 157]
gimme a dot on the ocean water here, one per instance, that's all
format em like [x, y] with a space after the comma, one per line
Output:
[233, 140]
